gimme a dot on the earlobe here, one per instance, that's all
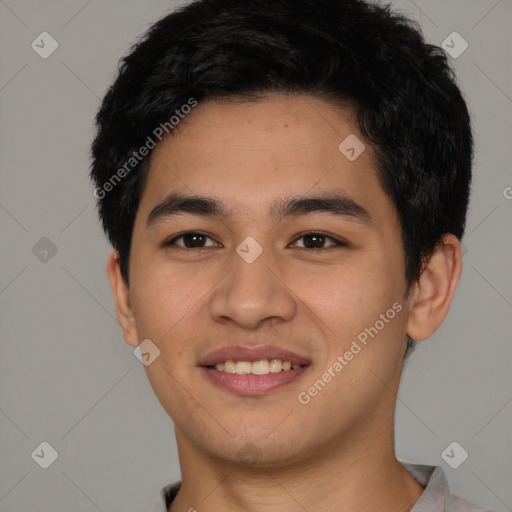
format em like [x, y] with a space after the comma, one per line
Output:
[432, 294]
[122, 301]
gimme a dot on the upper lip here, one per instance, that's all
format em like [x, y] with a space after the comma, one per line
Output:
[241, 353]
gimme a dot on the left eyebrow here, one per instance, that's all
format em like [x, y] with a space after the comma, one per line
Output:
[334, 204]
[295, 206]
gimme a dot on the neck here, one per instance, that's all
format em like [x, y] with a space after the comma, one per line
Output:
[355, 475]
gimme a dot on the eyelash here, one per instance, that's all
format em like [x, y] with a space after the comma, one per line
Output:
[337, 242]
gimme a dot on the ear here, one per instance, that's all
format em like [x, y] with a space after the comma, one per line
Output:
[121, 293]
[432, 294]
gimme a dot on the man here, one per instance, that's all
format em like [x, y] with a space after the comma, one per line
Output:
[285, 186]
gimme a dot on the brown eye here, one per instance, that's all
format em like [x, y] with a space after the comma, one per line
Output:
[314, 240]
[191, 240]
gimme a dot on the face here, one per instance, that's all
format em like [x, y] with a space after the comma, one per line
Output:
[324, 279]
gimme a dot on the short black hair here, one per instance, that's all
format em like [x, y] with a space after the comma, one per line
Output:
[403, 91]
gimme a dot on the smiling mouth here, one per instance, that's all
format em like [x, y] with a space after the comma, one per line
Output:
[253, 378]
[259, 367]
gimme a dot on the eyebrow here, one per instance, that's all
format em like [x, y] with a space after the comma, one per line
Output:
[293, 206]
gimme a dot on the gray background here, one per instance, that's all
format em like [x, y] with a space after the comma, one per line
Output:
[66, 375]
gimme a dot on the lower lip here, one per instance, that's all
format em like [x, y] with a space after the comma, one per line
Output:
[253, 385]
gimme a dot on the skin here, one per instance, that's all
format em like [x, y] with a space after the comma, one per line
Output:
[337, 451]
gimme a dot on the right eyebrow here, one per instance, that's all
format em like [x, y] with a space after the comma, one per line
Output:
[177, 203]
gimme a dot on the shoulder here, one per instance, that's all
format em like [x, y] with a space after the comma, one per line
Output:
[437, 496]
[457, 504]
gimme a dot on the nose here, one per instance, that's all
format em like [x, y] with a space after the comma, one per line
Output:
[253, 293]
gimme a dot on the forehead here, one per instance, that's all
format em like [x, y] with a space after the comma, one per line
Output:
[250, 152]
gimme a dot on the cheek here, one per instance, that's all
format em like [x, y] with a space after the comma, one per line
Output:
[163, 298]
[349, 297]
[358, 304]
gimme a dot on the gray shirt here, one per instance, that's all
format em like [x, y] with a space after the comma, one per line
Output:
[435, 498]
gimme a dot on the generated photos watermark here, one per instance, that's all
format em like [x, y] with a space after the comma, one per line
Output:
[304, 397]
[144, 150]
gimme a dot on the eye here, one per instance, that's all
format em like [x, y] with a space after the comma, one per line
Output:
[315, 240]
[191, 240]
[197, 240]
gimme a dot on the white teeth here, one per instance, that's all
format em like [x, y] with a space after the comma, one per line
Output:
[243, 367]
[276, 365]
[229, 367]
[261, 367]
